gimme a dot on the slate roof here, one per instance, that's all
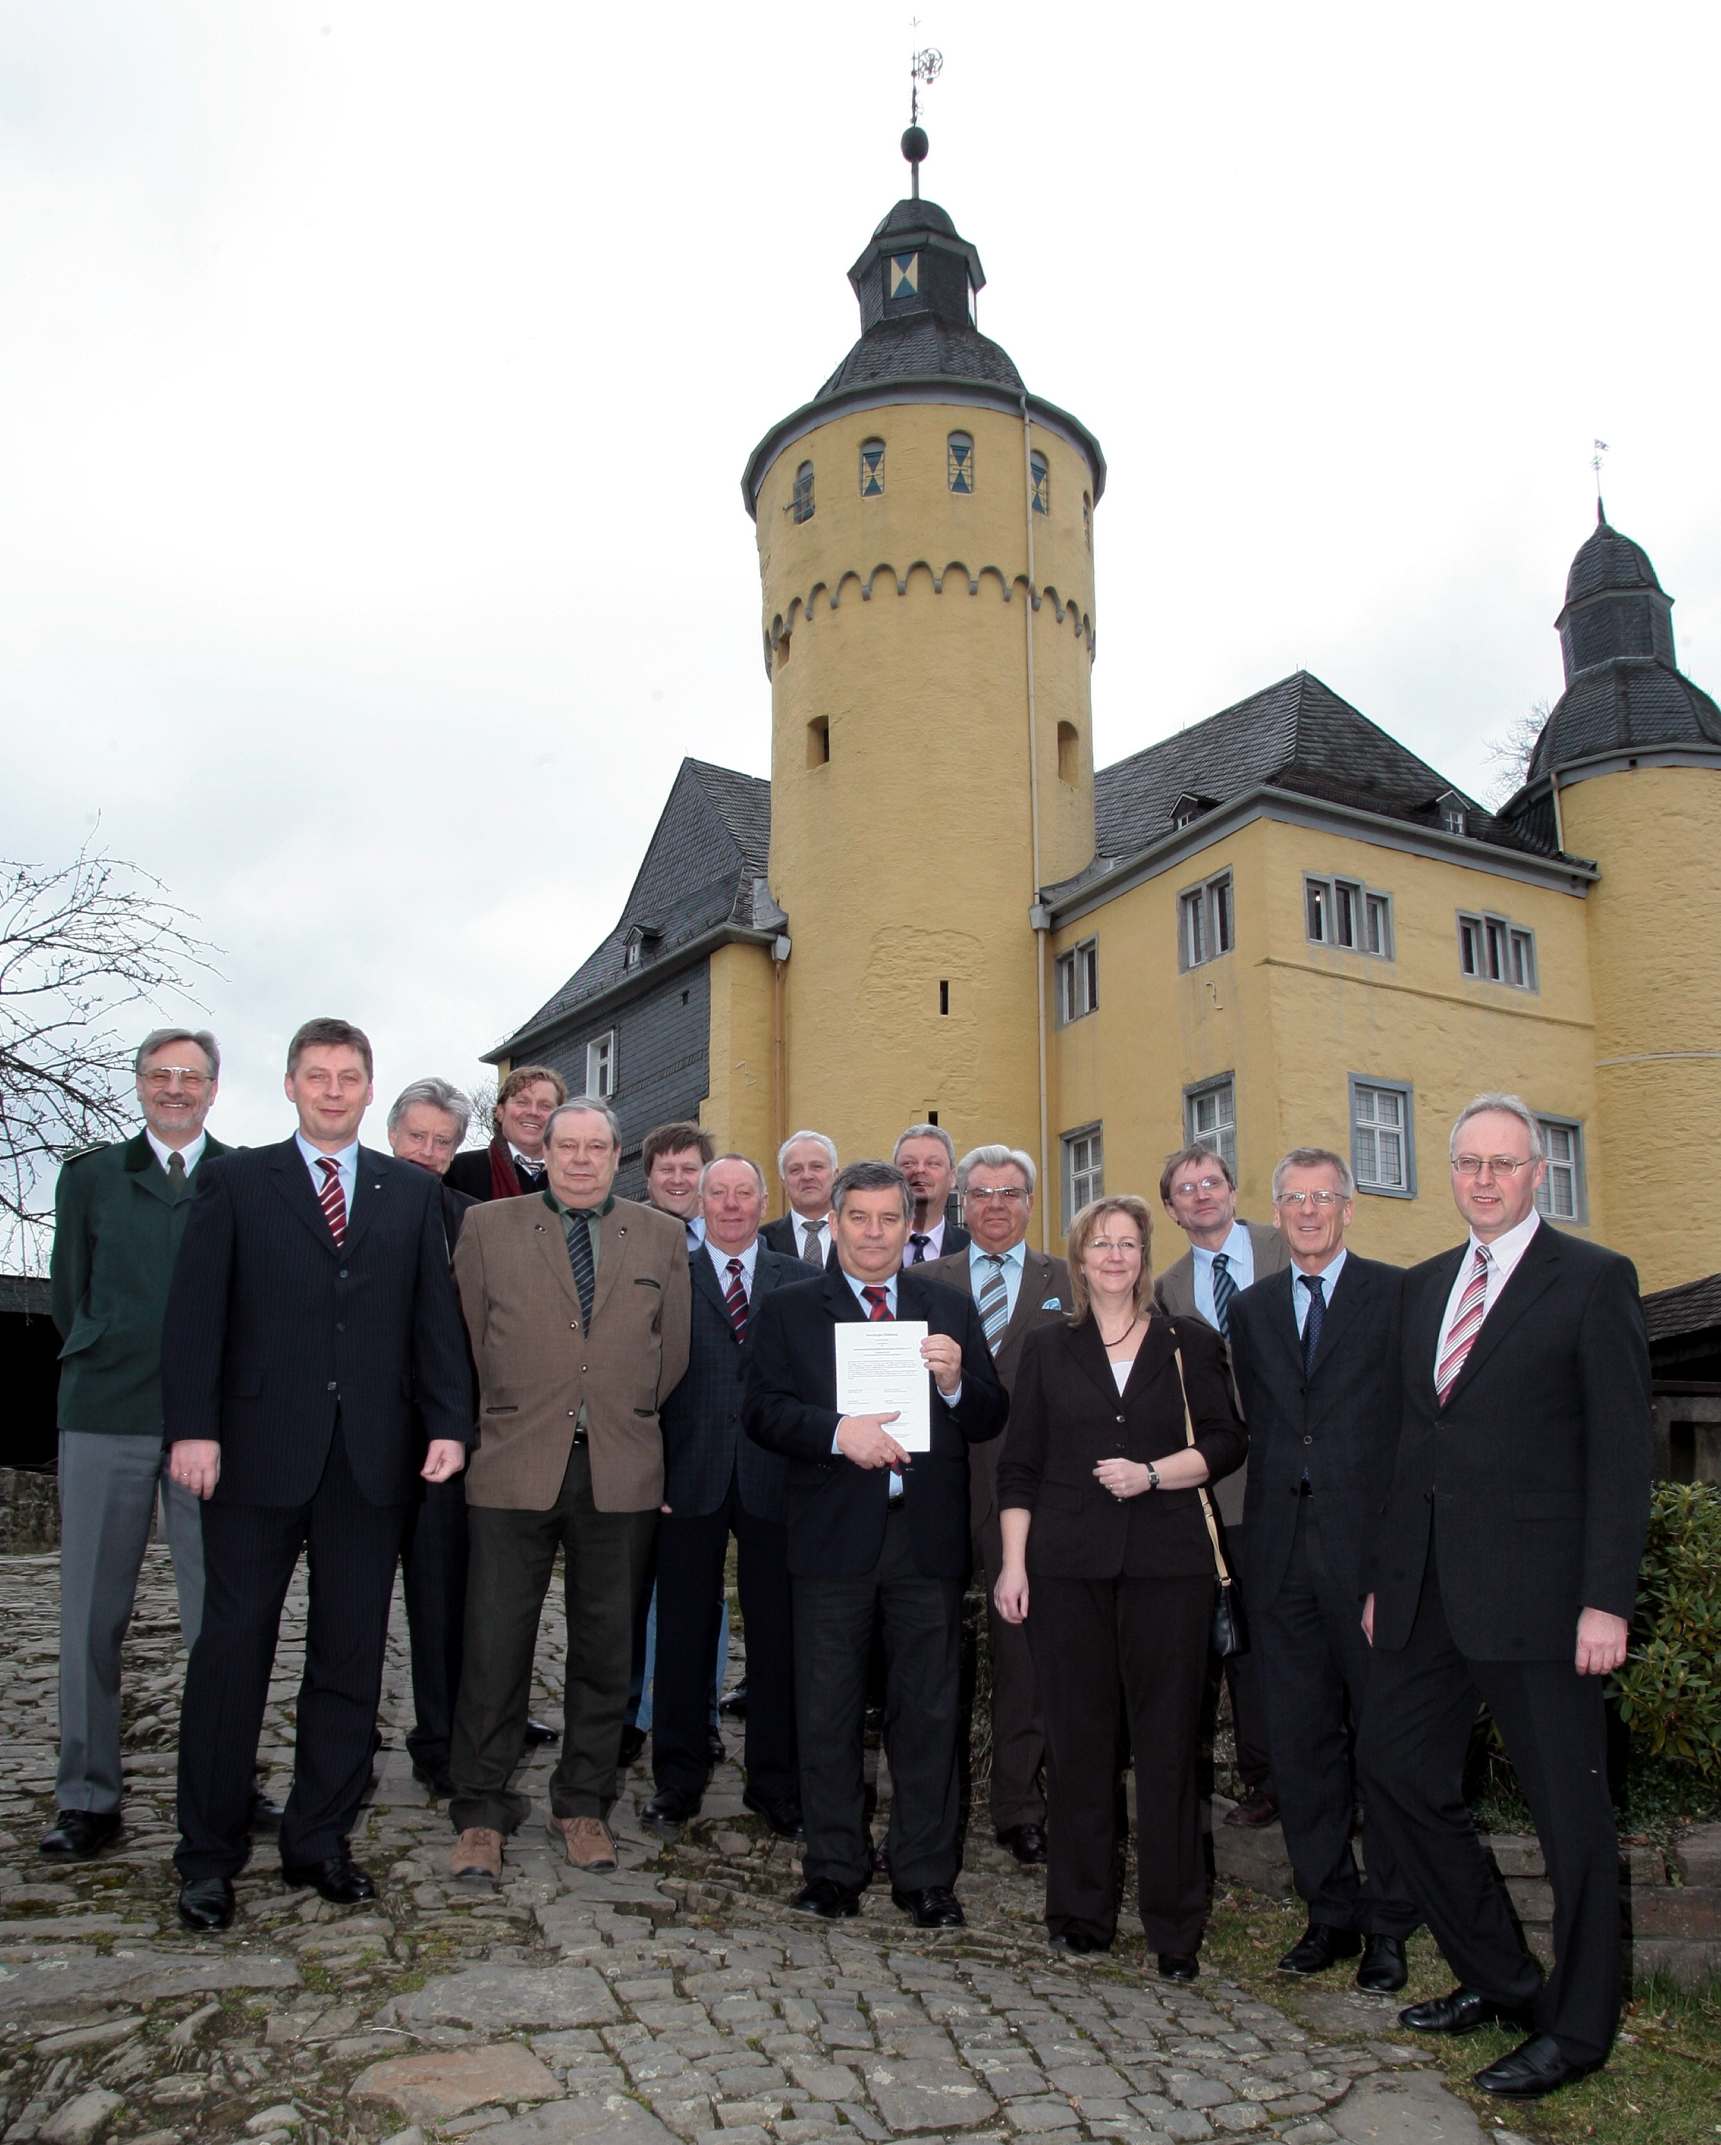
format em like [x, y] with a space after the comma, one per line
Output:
[1296, 735]
[1693, 1307]
[24, 1295]
[1609, 561]
[923, 347]
[703, 868]
[1630, 703]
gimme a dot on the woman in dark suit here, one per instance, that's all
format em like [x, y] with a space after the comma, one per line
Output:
[1099, 1512]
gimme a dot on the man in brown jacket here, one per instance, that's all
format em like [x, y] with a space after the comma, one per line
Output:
[577, 1307]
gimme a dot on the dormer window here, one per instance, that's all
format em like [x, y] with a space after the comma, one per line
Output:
[640, 942]
[1188, 807]
[1454, 818]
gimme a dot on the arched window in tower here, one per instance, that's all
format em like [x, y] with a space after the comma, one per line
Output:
[1088, 520]
[872, 469]
[1041, 477]
[960, 462]
[1069, 753]
[803, 500]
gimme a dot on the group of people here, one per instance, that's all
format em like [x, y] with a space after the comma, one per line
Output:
[462, 1362]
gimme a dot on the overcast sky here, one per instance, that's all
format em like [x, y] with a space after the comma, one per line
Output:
[376, 379]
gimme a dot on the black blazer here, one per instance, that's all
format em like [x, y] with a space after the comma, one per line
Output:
[956, 1238]
[1339, 1425]
[469, 1172]
[1535, 1476]
[271, 1332]
[784, 1235]
[703, 1448]
[1067, 1415]
[836, 1510]
[456, 1206]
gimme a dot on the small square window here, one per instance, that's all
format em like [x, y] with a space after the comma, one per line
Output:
[1084, 1170]
[1210, 1117]
[1078, 981]
[1561, 1194]
[1383, 1151]
[601, 1067]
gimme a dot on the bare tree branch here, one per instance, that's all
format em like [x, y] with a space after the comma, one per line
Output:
[1510, 753]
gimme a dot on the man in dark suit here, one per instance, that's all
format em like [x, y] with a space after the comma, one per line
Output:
[1198, 1189]
[873, 1530]
[806, 1163]
[119, 1214]
[718, 1483]
[1316, 1357]
[926, 1155]
[311, 1346]
[513, 1163]
[1504, 1568]
[1016, 1289]
[426, 1125]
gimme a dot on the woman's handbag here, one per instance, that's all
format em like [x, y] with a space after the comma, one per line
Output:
[1228, 1636]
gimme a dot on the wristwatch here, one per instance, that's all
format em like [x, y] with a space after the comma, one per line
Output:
[1152, 1476]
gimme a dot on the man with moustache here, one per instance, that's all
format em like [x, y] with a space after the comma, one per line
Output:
[576, 1303]
[806, 1164]
[513, 1163]
[313, 1368]
[926, 1155]
[425, 1127]
[1015, 1290]
[719, 1484]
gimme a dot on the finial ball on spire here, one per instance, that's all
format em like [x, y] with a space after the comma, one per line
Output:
[915, 144]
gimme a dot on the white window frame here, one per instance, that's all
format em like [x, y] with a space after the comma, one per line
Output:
[1219, 1137]
[1370, 1132]
[601, 1067]
[1078, 981]
[1565, 1169]
[1206, 921]
[1084, 1168]
[1343, 912]
[1493, 949]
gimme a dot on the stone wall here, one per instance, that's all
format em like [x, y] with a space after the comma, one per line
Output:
[29, 1511]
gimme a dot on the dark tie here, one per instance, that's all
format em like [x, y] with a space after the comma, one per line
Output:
[878, 1299]
[332, 1199]
[530, 1174]
[994, 1302]
[735, 1299]
[1224, 1291]
[177, 1182]
[810, 1245]
[920, 1243]
[580, 1259]
[1317, 1317]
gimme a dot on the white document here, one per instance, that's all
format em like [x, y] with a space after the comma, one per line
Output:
[879, 1368]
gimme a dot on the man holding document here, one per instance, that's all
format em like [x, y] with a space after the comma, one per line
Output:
[873, 1382]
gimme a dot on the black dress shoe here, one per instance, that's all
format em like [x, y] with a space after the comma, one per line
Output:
[784, 1818]
[830, 1901]
[1178, 1966]
[437, 1778]
[206, 1902]
[1383, 1971]
[1460, 2012]
[75, 1835]
[540, 1732]
[1539, 2067]
[1320, 1946]
[339, 1879]
[266, 1814]
[715, 1747]
[934, 1906]
[632, 1743]
[669, 1808]
[734, 1702]
[1078, 1941]
[1258, 1806]
[1026, 1842]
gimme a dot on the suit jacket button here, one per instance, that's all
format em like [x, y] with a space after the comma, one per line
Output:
[1307, 1439]
[573, 1325]
[343, 1273]
[339, 1328]
[1117, 1418]
[333, 1386]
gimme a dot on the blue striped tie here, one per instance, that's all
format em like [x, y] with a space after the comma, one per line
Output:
[994, 1302]
[1224, 1291]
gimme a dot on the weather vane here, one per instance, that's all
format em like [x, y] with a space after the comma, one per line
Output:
[924, 66]
[1596, 459]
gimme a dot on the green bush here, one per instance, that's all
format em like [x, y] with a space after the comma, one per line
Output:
[1669, 1691]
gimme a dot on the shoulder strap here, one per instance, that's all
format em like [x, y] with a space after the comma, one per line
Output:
[1219, 1564]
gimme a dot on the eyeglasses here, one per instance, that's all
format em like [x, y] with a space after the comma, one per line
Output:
[1011, 1194]
[1302, 1199]
[1497, 1165]
[165, 1076]
[1114, 1243]
[1191, 1185]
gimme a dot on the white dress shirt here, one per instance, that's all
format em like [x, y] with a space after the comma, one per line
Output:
[192, 1150]
[720, 1261]
[1503, 1256]
[801, 1225]
[934, 1243]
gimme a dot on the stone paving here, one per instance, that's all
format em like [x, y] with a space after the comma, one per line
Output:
[675, 2000]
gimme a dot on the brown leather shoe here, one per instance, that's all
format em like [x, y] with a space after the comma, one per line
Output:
[589, 1841]
[476, 1857]
[1259, 1807]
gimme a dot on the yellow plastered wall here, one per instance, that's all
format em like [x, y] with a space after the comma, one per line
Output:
[1655, 964]
[898, 626]
[740, 1111]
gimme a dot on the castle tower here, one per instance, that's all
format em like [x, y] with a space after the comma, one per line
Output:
[925, 530]
[1627, 771]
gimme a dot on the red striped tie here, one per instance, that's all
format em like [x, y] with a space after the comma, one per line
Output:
[879, 1300]
[735, 1299]
[1465, 1326]
[332, 1199]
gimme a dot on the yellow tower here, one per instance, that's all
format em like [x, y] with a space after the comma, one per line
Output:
[1627, 771]
[925, 530]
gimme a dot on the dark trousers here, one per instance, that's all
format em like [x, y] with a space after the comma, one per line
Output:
[1315, 1664]
[249, 1554]
[512, 1556]
[433, 1567]
[690, 1555]
[1241, 1673]
[1422, 1704]
[1018, 1794]
[1148, 1637]
[921, 1620]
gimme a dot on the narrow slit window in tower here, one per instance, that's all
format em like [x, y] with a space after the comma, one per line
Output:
[803, 499]
[1068, 757]
[818, 741]
[1042, 479]
[944, 995]
[960, 462]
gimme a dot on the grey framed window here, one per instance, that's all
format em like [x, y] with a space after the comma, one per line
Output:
[802, 500]
[1205, 927]
[1383, 1139]
[1078, 981]
[1084, 1169]
[1344, 912]
[1210, 1116]
[1562, 1194]
[1493, 949]
[601, 1067]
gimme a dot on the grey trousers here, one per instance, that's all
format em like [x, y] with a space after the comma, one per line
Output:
[108, 1489]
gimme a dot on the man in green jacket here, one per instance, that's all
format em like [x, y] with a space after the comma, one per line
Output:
[119, 1213]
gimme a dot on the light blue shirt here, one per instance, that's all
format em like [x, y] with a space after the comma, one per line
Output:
[1015, 1264]
[347, 1161]
[696, 1236]
[720, 1260]
[1328, 1278]
[1240, 1263]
